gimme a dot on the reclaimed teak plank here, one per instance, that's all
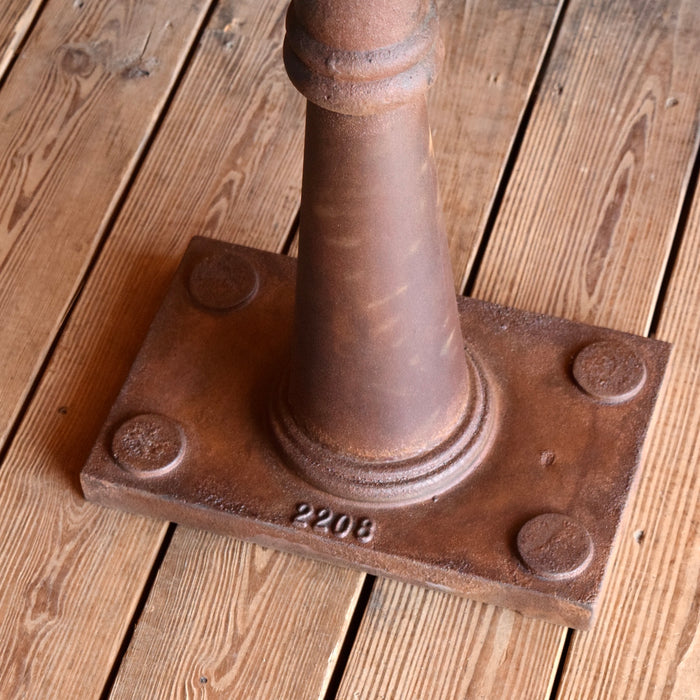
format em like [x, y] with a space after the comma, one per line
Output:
[72, 573]
[584, 231]
[170, 651]
[75, 113]
[647, 643]
[16, 17]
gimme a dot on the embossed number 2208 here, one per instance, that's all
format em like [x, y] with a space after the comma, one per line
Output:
[339, 525]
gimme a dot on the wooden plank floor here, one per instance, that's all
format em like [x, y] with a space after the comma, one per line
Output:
[566, 134]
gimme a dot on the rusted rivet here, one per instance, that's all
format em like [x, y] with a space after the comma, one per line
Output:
[223, 282]
[554, 546]
[148, 444]
[609, 371]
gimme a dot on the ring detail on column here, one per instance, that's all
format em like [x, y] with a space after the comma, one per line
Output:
[363, 82]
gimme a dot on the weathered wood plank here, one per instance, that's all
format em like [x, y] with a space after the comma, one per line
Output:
[236, 668]
[71, 573]
[416, 643]
[75, 114]
[493, 55]
[592, 208]
[16, 17]
[584, 231]
[647, 643]
[242, 620]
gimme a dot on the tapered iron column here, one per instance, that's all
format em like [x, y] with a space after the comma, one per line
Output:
[382, 402]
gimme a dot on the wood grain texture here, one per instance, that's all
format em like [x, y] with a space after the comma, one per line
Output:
[590, 213]
[75, 113]
[71, 573]
[231, 620]
[493, 55]
[16, 17]
[647, 642]
[592, 248]
[421, 644]
[228, 154]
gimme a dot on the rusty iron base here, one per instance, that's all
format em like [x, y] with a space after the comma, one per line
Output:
[531, 527]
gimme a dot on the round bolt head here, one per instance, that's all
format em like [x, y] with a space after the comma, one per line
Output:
[148, 445]
[554, 546]
[609, 371]
[223, 282]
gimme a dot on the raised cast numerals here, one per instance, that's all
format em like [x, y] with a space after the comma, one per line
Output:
[338, 525]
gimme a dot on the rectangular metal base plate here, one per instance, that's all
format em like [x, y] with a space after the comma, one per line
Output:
[558, 450]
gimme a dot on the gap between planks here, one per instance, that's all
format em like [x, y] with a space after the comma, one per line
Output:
[41, 363]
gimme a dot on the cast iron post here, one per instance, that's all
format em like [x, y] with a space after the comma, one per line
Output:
[380, 390]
